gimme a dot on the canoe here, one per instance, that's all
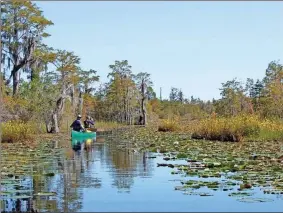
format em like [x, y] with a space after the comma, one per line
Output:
[80, 137]
[83, 135]
[88, 142]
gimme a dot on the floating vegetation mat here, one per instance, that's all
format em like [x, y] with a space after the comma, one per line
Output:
[20, 166]
[237, 168]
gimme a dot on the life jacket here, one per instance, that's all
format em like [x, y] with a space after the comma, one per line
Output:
[87, 124]
[77, 125]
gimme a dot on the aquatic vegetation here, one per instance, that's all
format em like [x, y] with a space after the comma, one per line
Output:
[182, 155]
[204, 167]
[46, 194]
[254, 200]
[243, 166]
[240, 194]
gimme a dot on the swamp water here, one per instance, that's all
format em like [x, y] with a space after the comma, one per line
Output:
[108, 175]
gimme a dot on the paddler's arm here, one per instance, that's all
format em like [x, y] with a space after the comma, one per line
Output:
[82, 127]
[72, 124]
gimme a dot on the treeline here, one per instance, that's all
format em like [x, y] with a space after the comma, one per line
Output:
[37, 80]
[124, 98]
[41, 84]
[263, 97]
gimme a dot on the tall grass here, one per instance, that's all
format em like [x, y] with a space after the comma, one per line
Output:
[168, 125]
[238, 128]
[13, 131]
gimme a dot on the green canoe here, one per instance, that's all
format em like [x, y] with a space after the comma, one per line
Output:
[83, 135]
[80, 137]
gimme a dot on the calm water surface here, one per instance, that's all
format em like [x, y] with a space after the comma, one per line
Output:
[103, 175]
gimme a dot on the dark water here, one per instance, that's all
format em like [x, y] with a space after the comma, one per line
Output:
[103, 175]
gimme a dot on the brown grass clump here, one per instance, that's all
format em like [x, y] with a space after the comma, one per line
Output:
[13, 131]
[227, 129]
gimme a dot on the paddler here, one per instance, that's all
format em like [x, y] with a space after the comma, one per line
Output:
[77, 125]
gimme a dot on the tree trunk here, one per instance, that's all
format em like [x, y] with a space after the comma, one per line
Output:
[16, 82]
[143, 108]
[143, 112]
[80, 103]
[48, 126]
[55, 124]
[1, 104]
[52, 124]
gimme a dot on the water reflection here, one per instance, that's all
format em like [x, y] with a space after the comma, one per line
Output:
[124, 166]
[82, 165]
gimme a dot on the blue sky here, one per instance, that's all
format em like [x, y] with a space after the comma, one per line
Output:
[194, 46]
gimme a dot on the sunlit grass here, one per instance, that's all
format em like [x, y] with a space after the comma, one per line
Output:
[13, 131]
[168, 125]
[238, 128]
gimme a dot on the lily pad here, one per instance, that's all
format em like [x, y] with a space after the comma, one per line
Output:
[240, 194]
[254, 200]
[46, 194]
[202, 194]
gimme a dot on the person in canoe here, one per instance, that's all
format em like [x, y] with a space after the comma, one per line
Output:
[88, 123]
[77, 125]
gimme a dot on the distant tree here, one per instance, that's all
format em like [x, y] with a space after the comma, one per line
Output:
[150, 93]
[122, 91]
[173, 96]
[233, 98]
[180, 96]
[143, 83]
[250, 88]
[272, 100]
[87, 78]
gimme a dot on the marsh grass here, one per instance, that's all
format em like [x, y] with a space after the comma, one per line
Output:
[168, 125]
[267, 134]
[13, 131]
[238, 128]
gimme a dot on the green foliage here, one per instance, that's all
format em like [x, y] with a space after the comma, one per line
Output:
[87, 78]
[22, 30]
[182, 155]
[40, 97]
